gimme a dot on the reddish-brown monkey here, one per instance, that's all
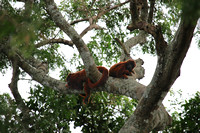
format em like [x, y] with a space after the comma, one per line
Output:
[76, 80]
[122, 69]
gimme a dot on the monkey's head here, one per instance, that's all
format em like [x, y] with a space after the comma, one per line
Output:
[130, 64]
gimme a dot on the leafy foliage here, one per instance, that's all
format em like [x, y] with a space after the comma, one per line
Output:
[105, 113]
[53, 112]
[187, 120]
[10, 120]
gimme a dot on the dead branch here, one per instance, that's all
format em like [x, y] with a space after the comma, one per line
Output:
[139, 70]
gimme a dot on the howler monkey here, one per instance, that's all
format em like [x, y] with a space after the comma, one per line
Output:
[76, 80]
[122, 69]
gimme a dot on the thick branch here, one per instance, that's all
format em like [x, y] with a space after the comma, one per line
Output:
[144, 10]
[134, 11]
[140, 22]
[37, 74]
[139, 39]
[60, 40]
[150, 17]
[44, 79]
[155, 31]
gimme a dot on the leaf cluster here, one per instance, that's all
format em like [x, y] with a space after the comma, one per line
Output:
[53, 112]
[10, 120]
[188, 119]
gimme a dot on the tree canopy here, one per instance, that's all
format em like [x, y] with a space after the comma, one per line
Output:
[35, 33]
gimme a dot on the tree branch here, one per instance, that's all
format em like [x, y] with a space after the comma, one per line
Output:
[116, 6]
[150, 17]
[26, 120]
[139, 39]
[60, 40]
[139, 70]
[144, 10]
[155, 31]
[140, 22]
[135, 90]
[79, 20]
[134, 11]
[92, 26]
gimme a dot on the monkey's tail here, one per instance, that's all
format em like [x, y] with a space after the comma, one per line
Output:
[102, 80]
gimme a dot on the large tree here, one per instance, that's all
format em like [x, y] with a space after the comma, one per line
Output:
[31, 36]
